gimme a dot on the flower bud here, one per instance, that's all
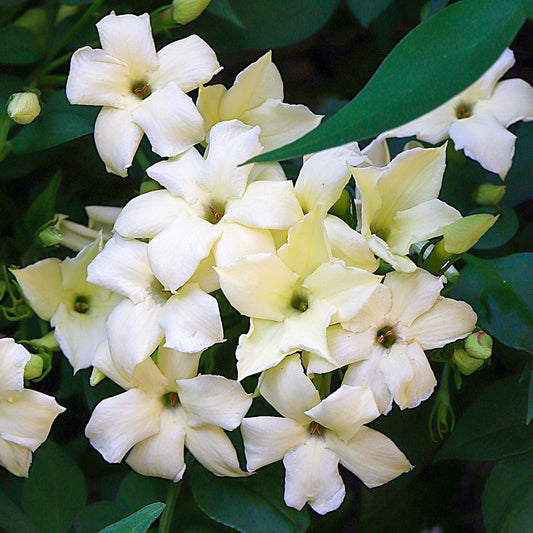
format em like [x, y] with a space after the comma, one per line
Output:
[23, 108]
[462, 234]
[479, 345]
[488, 194]
[34, 367]
[185, 11]
[464, 363]
[412, 144]
[96, 377]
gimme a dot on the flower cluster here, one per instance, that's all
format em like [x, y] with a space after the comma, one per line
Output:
[323, 299]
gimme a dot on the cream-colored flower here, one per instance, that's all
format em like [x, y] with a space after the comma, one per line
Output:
[292, 297]
[59, 293]
[25, 415]
[166, 408]
[316, 435]
[477, 119]
[256, 98]
[399, 206]
[404, 316]
[142, 91]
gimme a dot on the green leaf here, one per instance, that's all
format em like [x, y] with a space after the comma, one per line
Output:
[529, 417]
[434, 62]
[366, 11]
[98, 515]
[42, 209]
[12, 519]
[138, 522]
[493, 426]
[54, 477]
[59, 123]
[252, 505]
[501, 293]
[18, 46]
[224, 10]
[136, 490]
[503, 230]
[508, 496]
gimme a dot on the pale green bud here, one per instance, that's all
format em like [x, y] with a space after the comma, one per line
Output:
[479, 345]
[185, 11]
[34, 367]
[23, 108]
[488, 194]
[96, 377]
[464, 363]
[462, 234]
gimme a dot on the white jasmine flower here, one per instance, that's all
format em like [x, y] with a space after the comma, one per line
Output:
[59, 293]
[477, 119]
[256, 98]
[25, 415]
[399, 205]
[142, 91]
[404, 317]
[209, 207]
[166, 409]
[189, 319]
[292, 297]
[316, 435]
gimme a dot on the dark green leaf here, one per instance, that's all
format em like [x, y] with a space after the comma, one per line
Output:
[224, 10]
[18, 46]
[530, 400]
[434, 62]
[59, 122]
[493, 426]
[98, 515]
[12, 520]
[138, 522]
[42, 209]
[252, 505]
[136, 490]
[501, 293]
[503, 231]
[366, 11]
[508, 496]
[54, 478]
[9, 84]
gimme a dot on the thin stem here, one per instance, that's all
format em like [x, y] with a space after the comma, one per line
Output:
[166, 518]
[5, 124]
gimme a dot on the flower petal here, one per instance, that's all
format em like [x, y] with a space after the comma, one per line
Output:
[96, 78]
[170, 120]
[312, 475]
[120, 422]
[265, 204]
[486, 141]
[161, 455]
[256, 83]
[208, 104]
[176, 365]
[213, 449]
[117, 138]
[373, 312]
[382, 250]
[420, 223]
[370, 455]
[412, 294]
[187, 62]
[447, 321]
[324, 175]
[213, 400]
[176, 252]
[148, 214]
[258, 286]
[408, 374]
[287, 388]
[346, 410]
[129, 38]
[484, 86]
[16, 458]
[349, 245]
[34, 278]
[13, 359]
[280, 123]
[26, 419]
[268, 438]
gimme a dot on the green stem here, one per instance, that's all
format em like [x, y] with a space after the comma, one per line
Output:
[5, 124]
[438, 259]
[166, 518]
[53, 80]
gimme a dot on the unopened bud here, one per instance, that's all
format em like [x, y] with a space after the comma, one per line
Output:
[185, 11]
[96, 377]
[462, 234]
[50, 234]
[479, 345]
[34, 367]
[464, 363]
[412, 144]
[23, 108]
[488, 194]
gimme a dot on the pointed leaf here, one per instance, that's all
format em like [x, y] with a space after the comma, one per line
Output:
[138, 522]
